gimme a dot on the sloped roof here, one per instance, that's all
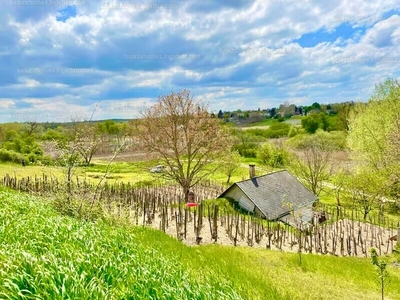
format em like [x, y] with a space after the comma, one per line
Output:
[275, 194]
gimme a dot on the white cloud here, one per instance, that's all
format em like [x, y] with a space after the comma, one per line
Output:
[264, 65]
[6, 103]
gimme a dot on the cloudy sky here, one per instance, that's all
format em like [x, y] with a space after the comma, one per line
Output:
[59, 58]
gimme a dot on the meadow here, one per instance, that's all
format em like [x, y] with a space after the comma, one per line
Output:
[45, 255]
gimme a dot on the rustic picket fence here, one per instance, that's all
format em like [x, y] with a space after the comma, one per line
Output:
[163, 207]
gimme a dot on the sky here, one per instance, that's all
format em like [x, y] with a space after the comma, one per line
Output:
[67, 59]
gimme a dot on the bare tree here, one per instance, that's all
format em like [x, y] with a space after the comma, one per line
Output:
[183, 134]
[69, 158]
[32, 127]
[81, 142]
[88, 140]
[313, 166]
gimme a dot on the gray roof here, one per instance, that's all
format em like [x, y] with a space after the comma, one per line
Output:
[275, 194]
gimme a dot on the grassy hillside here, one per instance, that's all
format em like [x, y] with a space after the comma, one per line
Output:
[44, 255]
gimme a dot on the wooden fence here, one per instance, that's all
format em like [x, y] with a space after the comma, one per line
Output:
[162, 207]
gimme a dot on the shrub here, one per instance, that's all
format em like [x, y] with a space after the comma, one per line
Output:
[11, 156]
[295, 131]
[246, 150]
[278, 130]
[336, 140]
[273, 156]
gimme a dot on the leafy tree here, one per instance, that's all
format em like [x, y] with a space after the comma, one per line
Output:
[334, 139]
[314, 121]
[273, 156]
[53, 135]
[231, 163]
[316, 106]
[383, 274]
[366, 191]
[23, 142]
[343, 112]
[181, 132]
[310, 123]
[374, 131]
[300, 110]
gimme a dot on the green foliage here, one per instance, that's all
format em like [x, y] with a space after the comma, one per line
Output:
[372, 123]
[366, 190]
[278, 130]
[294, 130]
[314, 121]
[383, 274]
[230, 164]
[276, 157]
[11, 156]
[336, 140]
[246, 150]
[374, 134]
[20, 145]
[53, 135]
[46, 256]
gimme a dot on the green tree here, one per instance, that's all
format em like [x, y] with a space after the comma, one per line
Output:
[313, 122]
[366, 192]
[343, 112]
[230, 164]
[274, 156]
[383, 274]
[374, 131]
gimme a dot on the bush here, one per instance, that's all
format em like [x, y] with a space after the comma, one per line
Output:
[273, 156]
[278, 130]
[336, 140]
[11, 156]
[295, 131]
[247, 150]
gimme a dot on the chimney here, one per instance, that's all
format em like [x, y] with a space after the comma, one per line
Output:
[252, 170]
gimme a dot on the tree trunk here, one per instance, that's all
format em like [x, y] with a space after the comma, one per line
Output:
[365, 214]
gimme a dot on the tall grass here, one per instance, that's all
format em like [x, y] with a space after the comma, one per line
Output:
[47, 256]
[44, 255]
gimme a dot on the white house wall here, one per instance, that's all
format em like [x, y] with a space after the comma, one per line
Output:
[238, 195]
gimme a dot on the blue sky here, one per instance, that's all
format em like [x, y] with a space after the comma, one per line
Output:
[59, 58]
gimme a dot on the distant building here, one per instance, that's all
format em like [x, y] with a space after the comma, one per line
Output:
[274, 196]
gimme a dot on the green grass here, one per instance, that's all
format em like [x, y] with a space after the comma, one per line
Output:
[47, 256]
[391, 212]
[44, 255]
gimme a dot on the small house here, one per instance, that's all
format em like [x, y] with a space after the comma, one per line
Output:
[274, 196]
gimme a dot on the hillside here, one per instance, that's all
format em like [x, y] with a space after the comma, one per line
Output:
[44, 255]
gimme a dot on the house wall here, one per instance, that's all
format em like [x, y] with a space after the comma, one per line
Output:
[238, 195]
